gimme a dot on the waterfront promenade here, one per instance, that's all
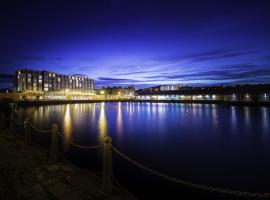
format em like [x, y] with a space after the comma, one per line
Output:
[26, 173]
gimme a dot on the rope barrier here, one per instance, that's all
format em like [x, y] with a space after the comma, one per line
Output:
[189, 184]
[37, 144]
[141, 166]
[78, 168]
[39, 130]
[80, 146]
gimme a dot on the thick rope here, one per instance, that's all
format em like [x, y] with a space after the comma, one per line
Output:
[189, 184]
[39, 130]
[76, 167]
[80, 146]
[37, 144]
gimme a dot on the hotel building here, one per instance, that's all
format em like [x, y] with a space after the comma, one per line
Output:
[45, 81]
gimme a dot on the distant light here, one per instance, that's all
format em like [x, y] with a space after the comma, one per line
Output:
[265, 95]
[119, 93]
[102, 92]
[7, 91]
[213, 96]
[67, 90]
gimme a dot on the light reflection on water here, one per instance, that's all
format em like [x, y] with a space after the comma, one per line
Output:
[67, 128]
[102, 122]
[214, 137]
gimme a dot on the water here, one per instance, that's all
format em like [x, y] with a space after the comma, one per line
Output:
[223, 146]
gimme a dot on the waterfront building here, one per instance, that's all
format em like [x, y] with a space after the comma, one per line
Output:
[161, 88]
[245, 93]
[116, 92]
[45, 81]
[46, 85]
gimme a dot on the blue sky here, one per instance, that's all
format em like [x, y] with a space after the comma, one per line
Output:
[145, 43]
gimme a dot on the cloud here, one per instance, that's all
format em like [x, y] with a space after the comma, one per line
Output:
[33, 58]
[6, 80]
[113, 79]
[136, 72]
[233, 73]
[89, 58]
[215, 54]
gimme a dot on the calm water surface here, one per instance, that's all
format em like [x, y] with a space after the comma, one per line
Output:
[224, 146]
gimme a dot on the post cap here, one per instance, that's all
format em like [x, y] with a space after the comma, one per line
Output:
[107, 139]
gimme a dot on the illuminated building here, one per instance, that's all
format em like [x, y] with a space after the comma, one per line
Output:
[245, 93]
[45, 81]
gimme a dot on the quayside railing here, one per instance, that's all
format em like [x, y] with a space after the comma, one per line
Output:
[108, 149]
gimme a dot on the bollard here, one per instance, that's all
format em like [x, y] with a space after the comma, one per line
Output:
[11, 123]
[107, 182]
[27, 136]
[54, 143]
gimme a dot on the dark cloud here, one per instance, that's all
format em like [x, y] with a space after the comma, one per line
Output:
[239, 72]
[89, 58]
[33, 58]
[6, 80]
[113, 79]
[56, 59]
[208, 55]
[136, 72]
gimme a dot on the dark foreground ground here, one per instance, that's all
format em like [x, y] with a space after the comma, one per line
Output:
[25, 173]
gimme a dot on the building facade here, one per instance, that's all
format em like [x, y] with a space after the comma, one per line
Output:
[114, 93]
[45, 81]
[242, 93]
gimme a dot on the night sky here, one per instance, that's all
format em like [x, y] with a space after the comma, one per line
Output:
[145, 43]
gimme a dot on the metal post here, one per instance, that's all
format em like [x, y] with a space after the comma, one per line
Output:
[54, 143]
[107, 182]
[11, 123]
[27, 136]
